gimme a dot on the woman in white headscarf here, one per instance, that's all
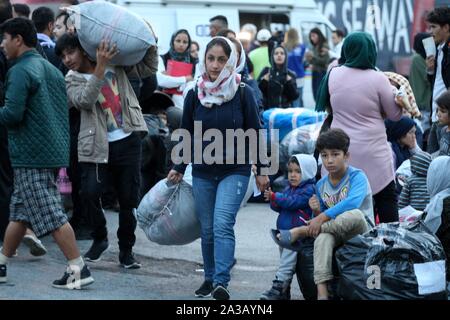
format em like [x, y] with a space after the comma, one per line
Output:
[219, 102]
[438, 210]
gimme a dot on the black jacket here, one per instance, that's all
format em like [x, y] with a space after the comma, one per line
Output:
[278, 94]
[234, 114]
[445, 66]
[50, 55]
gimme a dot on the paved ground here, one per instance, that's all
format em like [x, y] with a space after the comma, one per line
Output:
[169, 272]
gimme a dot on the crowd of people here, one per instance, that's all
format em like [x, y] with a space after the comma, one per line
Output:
[62, 108]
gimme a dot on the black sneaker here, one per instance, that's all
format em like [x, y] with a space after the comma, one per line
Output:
[2, 273]
[280, 291]
[220, 293]
[205, 290]
[74, 279]
[94, 254]
[127, 260]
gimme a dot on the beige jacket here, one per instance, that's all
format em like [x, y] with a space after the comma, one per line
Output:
[83, 94]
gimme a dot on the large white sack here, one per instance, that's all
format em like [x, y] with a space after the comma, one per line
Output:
[98, 20]
[167, 214]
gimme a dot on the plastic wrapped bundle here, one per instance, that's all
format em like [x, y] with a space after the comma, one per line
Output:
[285, 120]
[98, 20]
[392, 262]
[167, 214]
[300, 140]
[280, 183]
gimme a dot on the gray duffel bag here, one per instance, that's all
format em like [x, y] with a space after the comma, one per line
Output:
[98, 20]
[167, 214]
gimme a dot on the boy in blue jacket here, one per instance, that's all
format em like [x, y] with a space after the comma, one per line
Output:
[294, 211]
[342, 205]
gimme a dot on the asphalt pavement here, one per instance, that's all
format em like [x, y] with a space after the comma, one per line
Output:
[168, 272]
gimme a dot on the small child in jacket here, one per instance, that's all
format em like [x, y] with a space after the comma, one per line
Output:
[414, 192]
[342, 206]
[294, 211]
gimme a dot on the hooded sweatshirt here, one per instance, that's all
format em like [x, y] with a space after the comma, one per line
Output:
[278, 92]
[293, 202]
[414, 192]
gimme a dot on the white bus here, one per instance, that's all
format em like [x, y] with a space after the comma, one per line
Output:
[167, 16]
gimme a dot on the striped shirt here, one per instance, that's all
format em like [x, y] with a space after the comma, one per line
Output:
[414, 192]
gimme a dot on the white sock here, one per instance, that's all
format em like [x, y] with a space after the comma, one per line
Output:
[77, 262]
[3, 258]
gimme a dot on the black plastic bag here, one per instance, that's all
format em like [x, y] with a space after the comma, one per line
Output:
[380, 265]
[305, 272]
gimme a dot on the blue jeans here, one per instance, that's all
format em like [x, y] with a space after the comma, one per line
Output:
[298, 103]
[216, 204]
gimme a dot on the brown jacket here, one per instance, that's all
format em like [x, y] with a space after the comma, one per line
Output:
[83, 94]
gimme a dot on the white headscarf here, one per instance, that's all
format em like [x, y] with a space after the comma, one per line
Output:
[438, 185]
[224, 88]
[308, 166]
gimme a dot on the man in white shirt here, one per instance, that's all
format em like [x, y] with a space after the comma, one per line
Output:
[438, 67]
[338, 38]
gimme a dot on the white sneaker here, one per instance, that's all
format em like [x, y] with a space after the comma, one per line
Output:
[36, 247]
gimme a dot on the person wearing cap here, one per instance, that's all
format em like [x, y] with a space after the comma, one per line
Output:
[260, 57]
[402, 136]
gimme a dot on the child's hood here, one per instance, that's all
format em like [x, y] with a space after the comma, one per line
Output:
[420, 162]
[308, 166]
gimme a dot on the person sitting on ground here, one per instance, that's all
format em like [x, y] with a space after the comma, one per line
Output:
[277, 83]
[414, 192]
[443, 103]
[402, 136]
[437, 211]
[294, 211]
[342, 206]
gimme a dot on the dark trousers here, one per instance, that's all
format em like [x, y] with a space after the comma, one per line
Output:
[316, 79]
[80, 212]
[6, 181]
[123, 172]
[385, 204]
